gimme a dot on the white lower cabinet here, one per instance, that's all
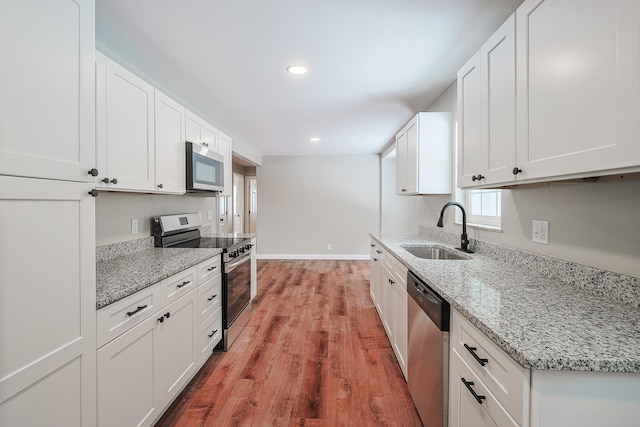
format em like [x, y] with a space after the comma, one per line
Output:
[388, 285]
[157, 352]
[488, 388]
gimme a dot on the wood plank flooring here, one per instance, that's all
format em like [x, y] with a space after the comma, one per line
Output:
[313, 354]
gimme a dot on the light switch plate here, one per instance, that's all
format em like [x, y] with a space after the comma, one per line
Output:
[134, 226]
[540, 232]
[209, 215]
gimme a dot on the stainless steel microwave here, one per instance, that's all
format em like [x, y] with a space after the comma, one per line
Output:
[205, 169]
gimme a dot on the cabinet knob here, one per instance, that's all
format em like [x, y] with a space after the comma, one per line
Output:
[93, 172]
[94, 192]
[477, 177]
[160, 186]
[516, 171]
[106, 180]
[161, 319]
[114, 181]
[404, 190]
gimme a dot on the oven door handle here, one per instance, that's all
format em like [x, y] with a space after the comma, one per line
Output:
[234, 264]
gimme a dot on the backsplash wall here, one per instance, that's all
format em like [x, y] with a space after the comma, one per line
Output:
[115, 210]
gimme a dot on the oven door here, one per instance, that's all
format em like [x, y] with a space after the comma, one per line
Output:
[205, 169]
[237, 287]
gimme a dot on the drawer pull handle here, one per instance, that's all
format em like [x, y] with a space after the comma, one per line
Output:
[212, 297]
[212, 268]
[184, 284]
[379, 251]
[213, 333]
[472, 350]
[468, 384]
[140, 308]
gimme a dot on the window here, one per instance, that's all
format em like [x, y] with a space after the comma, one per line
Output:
[483, 207]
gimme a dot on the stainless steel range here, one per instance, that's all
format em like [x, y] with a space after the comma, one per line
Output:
[183, 231]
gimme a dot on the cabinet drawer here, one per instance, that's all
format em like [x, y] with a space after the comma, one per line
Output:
[119, 317]
[209, 335]
[400, 273]
[506, 379]
[465, 409]
[178, 285]
[209, 298]
[208, 269]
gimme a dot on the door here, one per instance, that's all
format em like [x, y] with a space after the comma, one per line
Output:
[223, 214]
[238, 203]
[252, 203]
[47, 98]
[578, 90]
[47, 303]
[169, 134]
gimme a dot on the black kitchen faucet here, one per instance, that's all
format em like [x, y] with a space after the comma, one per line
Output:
[464, 240]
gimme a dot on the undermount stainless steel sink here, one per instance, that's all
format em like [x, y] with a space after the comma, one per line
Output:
[434, 252]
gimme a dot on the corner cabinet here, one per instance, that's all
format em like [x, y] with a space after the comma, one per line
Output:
[576, 103]
[47, 303]
[224, 149]
[47, 119]
[423, 150]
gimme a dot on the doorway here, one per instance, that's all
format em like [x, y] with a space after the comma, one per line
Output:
[252, 203]
[238, 203]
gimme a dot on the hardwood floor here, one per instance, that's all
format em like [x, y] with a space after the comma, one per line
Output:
[314, 354]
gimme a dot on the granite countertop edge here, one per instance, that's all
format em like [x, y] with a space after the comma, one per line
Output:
[120, 277]
[543, 324]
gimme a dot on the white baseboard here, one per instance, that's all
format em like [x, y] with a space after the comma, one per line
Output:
[348, 257]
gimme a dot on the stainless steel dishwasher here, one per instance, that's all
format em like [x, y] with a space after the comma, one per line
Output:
[428, 356]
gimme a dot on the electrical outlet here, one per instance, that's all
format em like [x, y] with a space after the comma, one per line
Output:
[209, 215]
[329, 247]
[540, 232]
[134, 226]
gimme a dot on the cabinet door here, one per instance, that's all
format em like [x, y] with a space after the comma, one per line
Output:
[498, 147]
[224, 148]
[470, 157]
[373, 274]
[126, 393]
[169, 148]
[176, 351]
[400, 325]
[125, 128]
[47, 303]
[47, 108]
[578, 90]
[201, 132]
[386, 305]
[401, 162]
[412, 157]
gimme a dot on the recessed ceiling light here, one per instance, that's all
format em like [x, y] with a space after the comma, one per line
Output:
[297, 69]
[314, 139]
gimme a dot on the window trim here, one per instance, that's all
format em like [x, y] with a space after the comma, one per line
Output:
[489, 223]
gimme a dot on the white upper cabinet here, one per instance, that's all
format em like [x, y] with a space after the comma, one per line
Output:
[201, 132]
[125, 128]
[423, 150]
[169, 149]
[486, 118]
[578, 89]
[47, 89]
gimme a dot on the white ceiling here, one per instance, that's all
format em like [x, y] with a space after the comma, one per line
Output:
[372, 63]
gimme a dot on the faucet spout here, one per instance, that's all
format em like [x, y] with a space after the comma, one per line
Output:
[464, 240]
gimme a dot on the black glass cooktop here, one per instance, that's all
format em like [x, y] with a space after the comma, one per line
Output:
[211, 242]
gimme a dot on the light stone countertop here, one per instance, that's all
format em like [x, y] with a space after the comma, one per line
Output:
[541, 323]
[119, 277]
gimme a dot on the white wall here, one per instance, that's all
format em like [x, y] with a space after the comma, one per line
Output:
[308, 202]
[592, 223]
[399, 213]
[115, 210]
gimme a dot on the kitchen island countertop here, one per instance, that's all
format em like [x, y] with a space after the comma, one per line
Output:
[541, 323]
